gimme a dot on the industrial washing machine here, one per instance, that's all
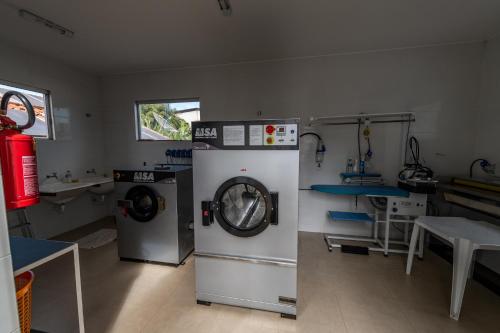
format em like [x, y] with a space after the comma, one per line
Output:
[246, 179]
[154, 214]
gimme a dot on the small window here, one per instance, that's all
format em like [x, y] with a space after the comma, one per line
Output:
[39, 99]
[167, 119]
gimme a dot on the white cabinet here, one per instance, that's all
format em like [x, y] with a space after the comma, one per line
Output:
[9, 321]
[4, 228]
[8, 306]
[4, 236]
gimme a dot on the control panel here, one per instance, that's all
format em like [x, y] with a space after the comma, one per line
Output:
[414, 205]
[268, 134]
[280, 135]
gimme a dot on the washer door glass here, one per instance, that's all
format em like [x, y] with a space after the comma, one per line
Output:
[143, 203]
[243, 206]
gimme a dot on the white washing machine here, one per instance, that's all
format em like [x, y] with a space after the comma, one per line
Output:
[245, 184]
[154, 214]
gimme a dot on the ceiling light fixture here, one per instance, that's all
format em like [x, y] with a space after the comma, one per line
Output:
[225, 7]
[29, 16]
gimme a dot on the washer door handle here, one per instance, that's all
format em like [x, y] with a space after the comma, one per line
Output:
[274, 205]
[124, 203]
[207, 213]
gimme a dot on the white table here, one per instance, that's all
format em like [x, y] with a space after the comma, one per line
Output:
[465, 236]
[28, 253]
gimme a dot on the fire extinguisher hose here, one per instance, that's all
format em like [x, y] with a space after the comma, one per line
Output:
[29, 108]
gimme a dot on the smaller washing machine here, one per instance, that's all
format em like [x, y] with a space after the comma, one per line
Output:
[154, 214]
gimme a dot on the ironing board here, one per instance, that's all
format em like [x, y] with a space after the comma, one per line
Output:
[393, 195]
[29, 253]
[465, 236]
[365, 190]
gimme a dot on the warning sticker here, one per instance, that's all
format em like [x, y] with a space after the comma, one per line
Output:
[256, 135]
[29, 175]
[233, 135]
[29, 165]
[30, 186]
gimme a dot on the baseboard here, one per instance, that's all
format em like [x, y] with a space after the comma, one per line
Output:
[482, 274]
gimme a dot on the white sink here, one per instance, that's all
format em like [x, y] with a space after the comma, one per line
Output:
[61, 193]
[99, 185]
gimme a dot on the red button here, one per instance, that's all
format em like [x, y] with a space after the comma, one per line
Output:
[270, 140]
[269, 129]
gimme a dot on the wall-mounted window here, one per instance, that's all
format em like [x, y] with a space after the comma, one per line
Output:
[166, 119]
[40, 99]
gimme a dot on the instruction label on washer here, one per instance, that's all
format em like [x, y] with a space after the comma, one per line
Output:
[256, 135]
[233, 135]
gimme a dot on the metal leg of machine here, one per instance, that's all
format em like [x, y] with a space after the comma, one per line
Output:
[288, 316]
[330, 238]
[386, 237]
[400, 210]
[384, 244]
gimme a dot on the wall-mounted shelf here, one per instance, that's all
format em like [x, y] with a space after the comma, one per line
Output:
[354, 119]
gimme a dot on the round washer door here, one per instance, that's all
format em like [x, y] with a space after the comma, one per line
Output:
[143, 203]
[243, 206]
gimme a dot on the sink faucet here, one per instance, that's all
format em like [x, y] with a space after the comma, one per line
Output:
[52, 175]
[91, 171]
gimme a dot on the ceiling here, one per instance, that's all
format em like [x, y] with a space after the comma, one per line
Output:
[113, 36]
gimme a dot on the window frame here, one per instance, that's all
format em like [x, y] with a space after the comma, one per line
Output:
[137, 115]
[48, 107]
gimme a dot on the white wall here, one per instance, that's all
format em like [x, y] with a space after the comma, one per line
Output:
[439, 83]
[488, 126]
[73, 94]
[488, 134]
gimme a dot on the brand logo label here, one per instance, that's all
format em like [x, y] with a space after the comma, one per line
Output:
[144, 177]
[209, 133]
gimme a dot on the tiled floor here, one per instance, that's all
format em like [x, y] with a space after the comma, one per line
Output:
[337, 293]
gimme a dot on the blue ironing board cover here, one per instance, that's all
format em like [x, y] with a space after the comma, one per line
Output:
[374, 190]
[26, 251]
[349, 216]
[355, 174]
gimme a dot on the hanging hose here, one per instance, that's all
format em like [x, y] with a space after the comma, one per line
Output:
[415, 167]
[366, 134]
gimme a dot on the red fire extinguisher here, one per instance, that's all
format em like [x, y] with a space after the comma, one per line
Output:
[18, 158]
